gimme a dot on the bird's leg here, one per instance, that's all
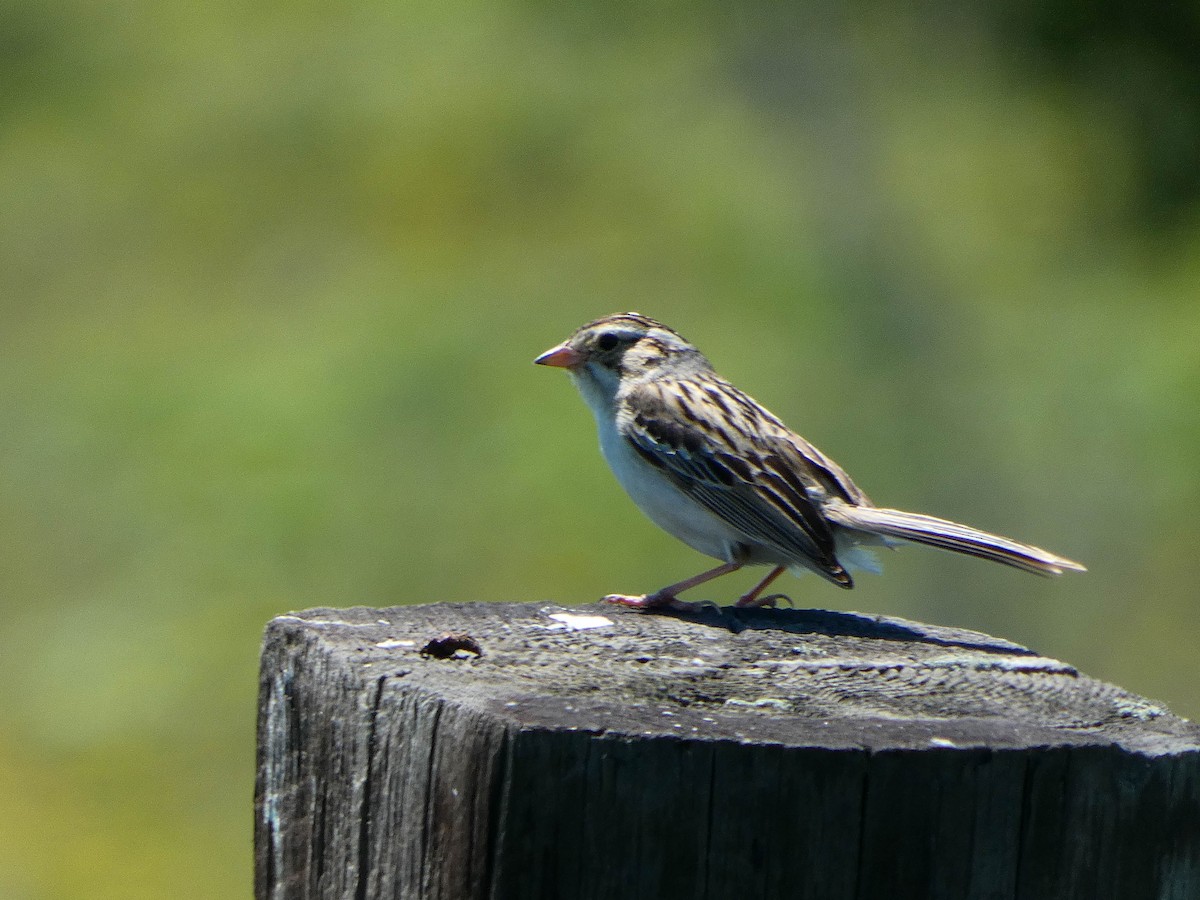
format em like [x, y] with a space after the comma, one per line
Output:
[751, 598]
[667, 596]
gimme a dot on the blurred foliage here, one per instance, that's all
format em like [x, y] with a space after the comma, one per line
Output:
[272, 277]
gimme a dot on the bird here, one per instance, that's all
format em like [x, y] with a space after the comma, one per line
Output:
[714, 468]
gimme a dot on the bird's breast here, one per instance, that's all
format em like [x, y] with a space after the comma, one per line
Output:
[663, 503]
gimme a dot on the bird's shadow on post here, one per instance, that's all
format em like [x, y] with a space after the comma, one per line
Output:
[847, 624]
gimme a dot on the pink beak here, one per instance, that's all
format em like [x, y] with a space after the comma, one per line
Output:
[562, 356]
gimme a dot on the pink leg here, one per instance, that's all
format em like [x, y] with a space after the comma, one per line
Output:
[667, 596]
[752, 598]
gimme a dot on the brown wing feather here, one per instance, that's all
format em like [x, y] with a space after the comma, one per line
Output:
[696, 432]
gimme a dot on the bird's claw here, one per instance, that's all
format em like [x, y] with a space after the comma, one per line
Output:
[771, 601]
[659, 601]
[635, 601]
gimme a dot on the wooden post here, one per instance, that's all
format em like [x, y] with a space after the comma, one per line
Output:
[533, 751]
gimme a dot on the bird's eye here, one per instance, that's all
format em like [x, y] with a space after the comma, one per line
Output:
[607, 341]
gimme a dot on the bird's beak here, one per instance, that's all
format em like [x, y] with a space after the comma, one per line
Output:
[562, 356]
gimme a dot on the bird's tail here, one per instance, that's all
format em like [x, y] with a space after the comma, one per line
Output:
[894, 523]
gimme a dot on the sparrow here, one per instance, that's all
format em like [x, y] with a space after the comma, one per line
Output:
[711, 466]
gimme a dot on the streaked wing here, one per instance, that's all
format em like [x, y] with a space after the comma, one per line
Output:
[695, 432]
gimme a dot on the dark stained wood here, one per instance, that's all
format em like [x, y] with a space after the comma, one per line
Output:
[747, 754]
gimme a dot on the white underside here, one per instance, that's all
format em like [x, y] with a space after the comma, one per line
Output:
[666, 506]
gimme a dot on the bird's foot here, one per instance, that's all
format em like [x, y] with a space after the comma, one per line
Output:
[770, 601]
[659, 600]
[638, 601]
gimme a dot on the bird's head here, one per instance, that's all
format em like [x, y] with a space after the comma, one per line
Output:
[620, 348]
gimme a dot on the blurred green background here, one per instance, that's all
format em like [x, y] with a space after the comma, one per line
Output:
[272, 277]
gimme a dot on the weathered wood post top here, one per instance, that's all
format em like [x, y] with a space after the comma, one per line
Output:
[530, 750]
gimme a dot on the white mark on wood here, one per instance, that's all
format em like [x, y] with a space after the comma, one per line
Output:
[572, 622]
[760, 703]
